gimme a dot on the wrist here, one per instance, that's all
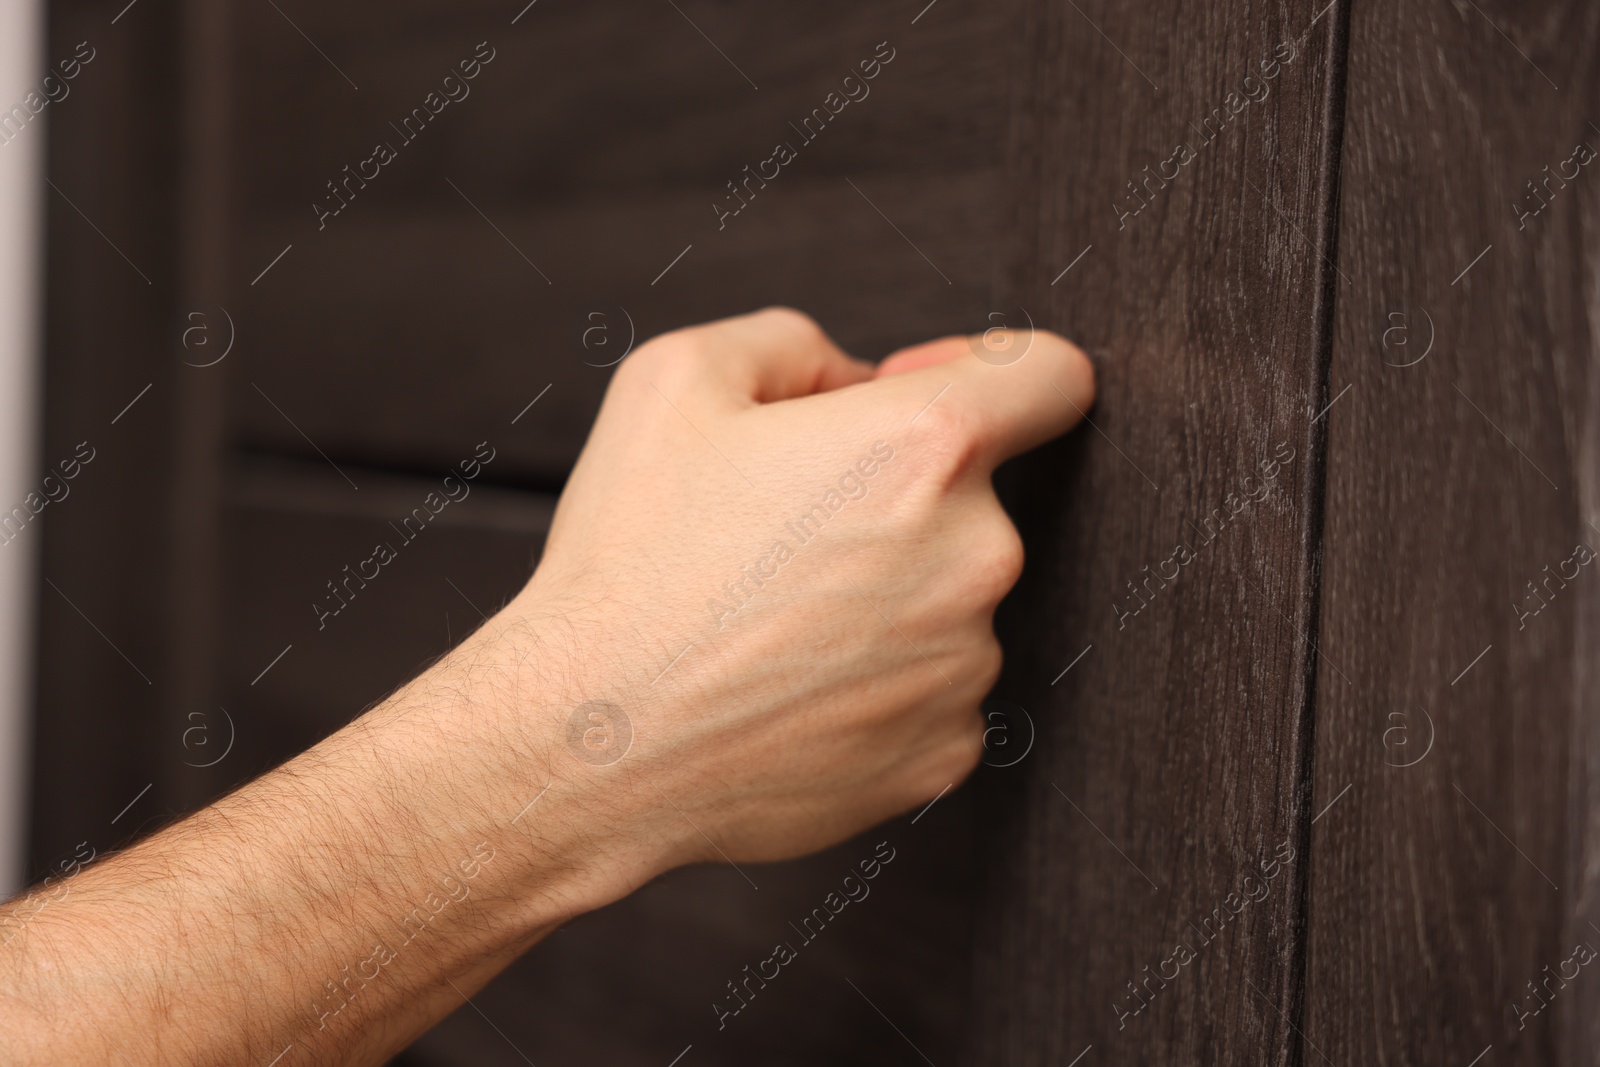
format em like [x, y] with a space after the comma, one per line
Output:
[523, 746]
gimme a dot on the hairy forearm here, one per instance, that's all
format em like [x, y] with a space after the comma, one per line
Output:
[737, 653]
[334, 908]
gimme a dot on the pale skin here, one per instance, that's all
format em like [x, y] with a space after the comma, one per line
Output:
[763, 723]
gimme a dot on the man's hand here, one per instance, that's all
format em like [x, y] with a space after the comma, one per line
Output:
[783, 569]
[762, 623]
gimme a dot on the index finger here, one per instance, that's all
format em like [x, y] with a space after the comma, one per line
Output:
[777, 354]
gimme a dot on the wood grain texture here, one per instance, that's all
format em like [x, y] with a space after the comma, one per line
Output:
[625, 97]
[1167, 789]
[587, 156]
[1456, 739]
[372, 378]
[1180, 725]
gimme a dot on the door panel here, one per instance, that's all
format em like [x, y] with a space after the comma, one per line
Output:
[1285, 765]
[1148, 859]
[455, 298]
[1456, 737]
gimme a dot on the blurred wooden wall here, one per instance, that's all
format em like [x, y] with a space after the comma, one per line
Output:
[1282, 706]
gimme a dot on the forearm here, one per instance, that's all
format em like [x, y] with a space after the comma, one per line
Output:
[371, 884]
[709, 665]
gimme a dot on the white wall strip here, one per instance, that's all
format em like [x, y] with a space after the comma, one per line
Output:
[21, 314]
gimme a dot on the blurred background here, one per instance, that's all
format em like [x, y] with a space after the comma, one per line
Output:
[265, 341]
[21, 295]
[270, 269]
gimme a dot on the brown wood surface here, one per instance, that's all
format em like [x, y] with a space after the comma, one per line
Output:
[400, 381]
[1257, 698]
[290, 677]
[636, 981]
[205, 128]
[102, 676]
[1456, 740]
[1171, 756]
[385, 346]
[596, 143]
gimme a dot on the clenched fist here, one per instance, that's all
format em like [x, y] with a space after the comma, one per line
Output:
[781, 567]
[762, 623]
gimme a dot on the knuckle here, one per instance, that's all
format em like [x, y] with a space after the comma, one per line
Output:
[1009, 554]
[962, 755]
[790, 319]
[990, 661]
[951, 763]
[669, 357]
[950, 441]
[999, 561]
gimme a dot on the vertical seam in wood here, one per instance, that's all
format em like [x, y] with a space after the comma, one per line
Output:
[1315, 496]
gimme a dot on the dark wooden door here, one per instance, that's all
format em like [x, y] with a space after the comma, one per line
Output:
[1298, 755]
[556, 181]
[1149, 867]
[1453, 891]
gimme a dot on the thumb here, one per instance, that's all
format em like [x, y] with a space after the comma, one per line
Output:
[927, 354]
[1028, 387]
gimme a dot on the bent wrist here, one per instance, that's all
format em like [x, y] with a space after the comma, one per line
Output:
[527, 752]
